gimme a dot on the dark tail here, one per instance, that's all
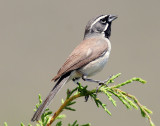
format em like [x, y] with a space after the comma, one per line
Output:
[50, 96]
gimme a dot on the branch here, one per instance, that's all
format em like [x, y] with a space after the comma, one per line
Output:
[62, 107]
[128, 100]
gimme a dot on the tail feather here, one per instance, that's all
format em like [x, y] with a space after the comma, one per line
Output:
[50, 96]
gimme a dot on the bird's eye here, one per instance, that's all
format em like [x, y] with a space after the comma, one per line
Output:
[103, 21]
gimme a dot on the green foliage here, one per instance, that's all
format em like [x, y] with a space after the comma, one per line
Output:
[75, 124]
[67, 107]
[5, 124]
[61, 116]
[127, 99]
[45, 116]
[59, 123]
[22, 124]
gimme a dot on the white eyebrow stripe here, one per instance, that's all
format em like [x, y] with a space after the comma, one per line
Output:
[97, 20]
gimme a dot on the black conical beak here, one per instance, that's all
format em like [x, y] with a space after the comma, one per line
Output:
[112, 17]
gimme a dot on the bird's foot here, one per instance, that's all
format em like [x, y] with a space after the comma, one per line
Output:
[101, 83]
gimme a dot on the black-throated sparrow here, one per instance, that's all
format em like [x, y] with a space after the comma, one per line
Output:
[88, 58]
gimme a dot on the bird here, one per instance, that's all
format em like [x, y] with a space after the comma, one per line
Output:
[87, 59]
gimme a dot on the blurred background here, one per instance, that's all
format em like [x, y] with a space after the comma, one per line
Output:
[36, 36]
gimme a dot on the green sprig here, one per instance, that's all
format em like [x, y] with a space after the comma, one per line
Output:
[128, 100]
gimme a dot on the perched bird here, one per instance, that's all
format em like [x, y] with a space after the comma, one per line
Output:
[88, 58]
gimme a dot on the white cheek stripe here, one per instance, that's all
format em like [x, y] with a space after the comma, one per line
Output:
[97, 21]
[106, 27]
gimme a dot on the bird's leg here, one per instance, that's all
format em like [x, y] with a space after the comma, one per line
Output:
[75, 80]
[97, 81]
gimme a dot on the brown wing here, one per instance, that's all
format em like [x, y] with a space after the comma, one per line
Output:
[85, 52]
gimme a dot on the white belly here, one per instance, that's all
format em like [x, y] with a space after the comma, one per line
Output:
[96, 65]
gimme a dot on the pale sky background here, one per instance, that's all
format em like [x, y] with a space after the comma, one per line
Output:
[36, 36]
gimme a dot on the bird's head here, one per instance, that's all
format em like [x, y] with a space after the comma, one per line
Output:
[100, 25]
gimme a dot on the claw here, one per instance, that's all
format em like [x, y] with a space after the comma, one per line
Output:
[108, 79]
[103, 83]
